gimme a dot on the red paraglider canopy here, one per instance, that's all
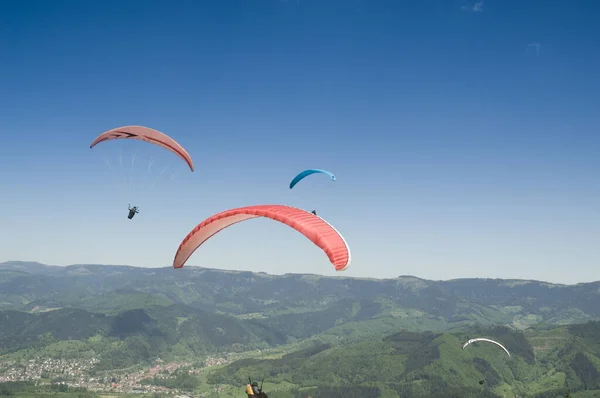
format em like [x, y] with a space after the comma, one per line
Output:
[313, 227]
[148, 135]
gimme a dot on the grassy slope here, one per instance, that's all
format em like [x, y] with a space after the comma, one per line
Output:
[414, 361]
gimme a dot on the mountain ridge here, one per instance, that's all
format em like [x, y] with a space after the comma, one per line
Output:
[113, 288]
[19, 264]
[307, 331]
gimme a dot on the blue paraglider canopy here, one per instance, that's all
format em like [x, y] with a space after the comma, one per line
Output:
[308, 172]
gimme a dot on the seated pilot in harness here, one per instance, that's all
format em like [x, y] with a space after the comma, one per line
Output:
[253, 391]
[132, 211]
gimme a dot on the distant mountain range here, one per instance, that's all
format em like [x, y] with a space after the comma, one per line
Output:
[444, 304]
[336, 336]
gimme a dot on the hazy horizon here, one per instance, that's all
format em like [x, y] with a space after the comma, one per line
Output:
[335, 275]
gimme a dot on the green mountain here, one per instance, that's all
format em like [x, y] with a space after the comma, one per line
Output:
[545, 363]
[310, 335]
[33, 286]
[128, 338]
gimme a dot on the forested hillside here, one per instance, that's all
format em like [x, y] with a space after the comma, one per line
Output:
[309, 335]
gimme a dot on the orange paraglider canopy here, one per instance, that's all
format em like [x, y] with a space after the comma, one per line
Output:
[313, 227]
[148, 135]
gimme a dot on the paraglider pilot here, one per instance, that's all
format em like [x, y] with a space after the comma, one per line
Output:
[314, 212]
[132, 211]
[253, 391]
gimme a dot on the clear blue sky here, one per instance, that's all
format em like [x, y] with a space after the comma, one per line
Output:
[460, 149]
